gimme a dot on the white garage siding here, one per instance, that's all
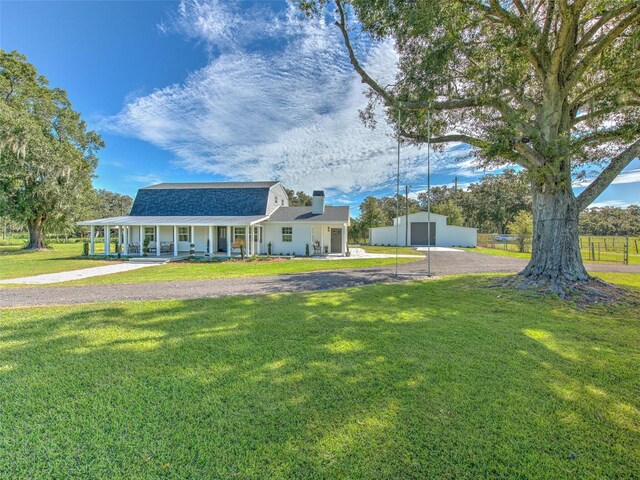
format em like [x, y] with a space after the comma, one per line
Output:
[446, 235]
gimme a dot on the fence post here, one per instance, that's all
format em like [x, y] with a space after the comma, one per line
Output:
[626, 252]
[599, 251]
[636, 242]
[593, 252]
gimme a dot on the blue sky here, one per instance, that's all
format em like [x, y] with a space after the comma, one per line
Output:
[219, 90]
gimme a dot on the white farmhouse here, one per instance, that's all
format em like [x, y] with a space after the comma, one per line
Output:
[414, 227]
[217, 217]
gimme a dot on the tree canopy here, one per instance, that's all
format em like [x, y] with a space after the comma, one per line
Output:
[47, 155]
[299, 198]
[550, 85]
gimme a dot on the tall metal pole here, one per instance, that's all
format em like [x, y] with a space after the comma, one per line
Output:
[398, 194]
[429, 192]
[406, 215]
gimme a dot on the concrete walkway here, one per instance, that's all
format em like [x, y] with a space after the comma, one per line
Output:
[443, 263]
[77, 274]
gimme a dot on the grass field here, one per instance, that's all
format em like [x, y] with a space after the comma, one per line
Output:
[633, 259]
[592, 248]
[15, 264]
[442, 379]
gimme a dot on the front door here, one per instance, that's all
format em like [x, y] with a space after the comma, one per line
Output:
[336, 240]
[222, 239]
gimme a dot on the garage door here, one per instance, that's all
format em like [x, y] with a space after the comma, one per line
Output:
[419, 233]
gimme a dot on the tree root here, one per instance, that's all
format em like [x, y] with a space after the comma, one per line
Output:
[583, 292]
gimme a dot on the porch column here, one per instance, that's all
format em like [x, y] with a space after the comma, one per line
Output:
[258, 242]
[126, 240]
[140, 239]
[322, 239]
[192, 238]
[246, 240]
[344, 239]
[107, 240]
[210, 252]
[157, 240]
[119, 247]
[228, 241]
[92, 244]
[175, 240]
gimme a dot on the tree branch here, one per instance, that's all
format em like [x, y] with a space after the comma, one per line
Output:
[606, 17]
[607, 175]
[375, 86]
[603, 111]
[604, 41]
[454, 137]
[391, 100]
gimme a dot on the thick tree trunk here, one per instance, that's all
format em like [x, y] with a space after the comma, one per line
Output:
[555, 255]
[36, 233]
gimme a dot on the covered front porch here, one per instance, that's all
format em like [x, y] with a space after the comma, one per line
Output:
[179, 236]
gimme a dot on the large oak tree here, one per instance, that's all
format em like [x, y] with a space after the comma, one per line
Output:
[47, 155]
[550, 85]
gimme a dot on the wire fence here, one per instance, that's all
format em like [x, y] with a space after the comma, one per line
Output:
[625, 250]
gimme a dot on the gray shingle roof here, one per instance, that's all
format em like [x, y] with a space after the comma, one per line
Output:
[176, 220]
[203, 199]
[175, 186]
[303, 214]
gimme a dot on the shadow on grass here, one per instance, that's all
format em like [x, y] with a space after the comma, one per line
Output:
[435, 379]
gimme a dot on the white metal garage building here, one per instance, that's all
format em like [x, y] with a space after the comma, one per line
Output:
[442, 235]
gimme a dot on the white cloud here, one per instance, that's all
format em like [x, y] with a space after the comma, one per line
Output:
[289, 112]
[146, 179]
[629, 176]
[609, 203]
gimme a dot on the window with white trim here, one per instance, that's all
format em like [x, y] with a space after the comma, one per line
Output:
[183, 234]
[150, 233]
[287, 234]
[238, 234]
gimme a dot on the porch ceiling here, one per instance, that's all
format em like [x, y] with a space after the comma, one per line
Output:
[180, 221]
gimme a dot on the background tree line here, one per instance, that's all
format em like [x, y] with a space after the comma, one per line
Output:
[494, 204]
[97, 203]
[611, 221]
[489, 205]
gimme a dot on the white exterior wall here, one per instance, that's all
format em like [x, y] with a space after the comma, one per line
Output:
[303, 234]
[277, 198]
[301, 237]
[446, 235]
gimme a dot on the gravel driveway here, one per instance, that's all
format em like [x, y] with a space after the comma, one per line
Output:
[443, 263]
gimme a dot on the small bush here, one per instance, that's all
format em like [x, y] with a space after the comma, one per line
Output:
[85, 249]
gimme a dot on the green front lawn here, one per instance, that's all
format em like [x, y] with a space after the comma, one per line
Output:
[182, 271]
[435, 379]
[16, 262]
